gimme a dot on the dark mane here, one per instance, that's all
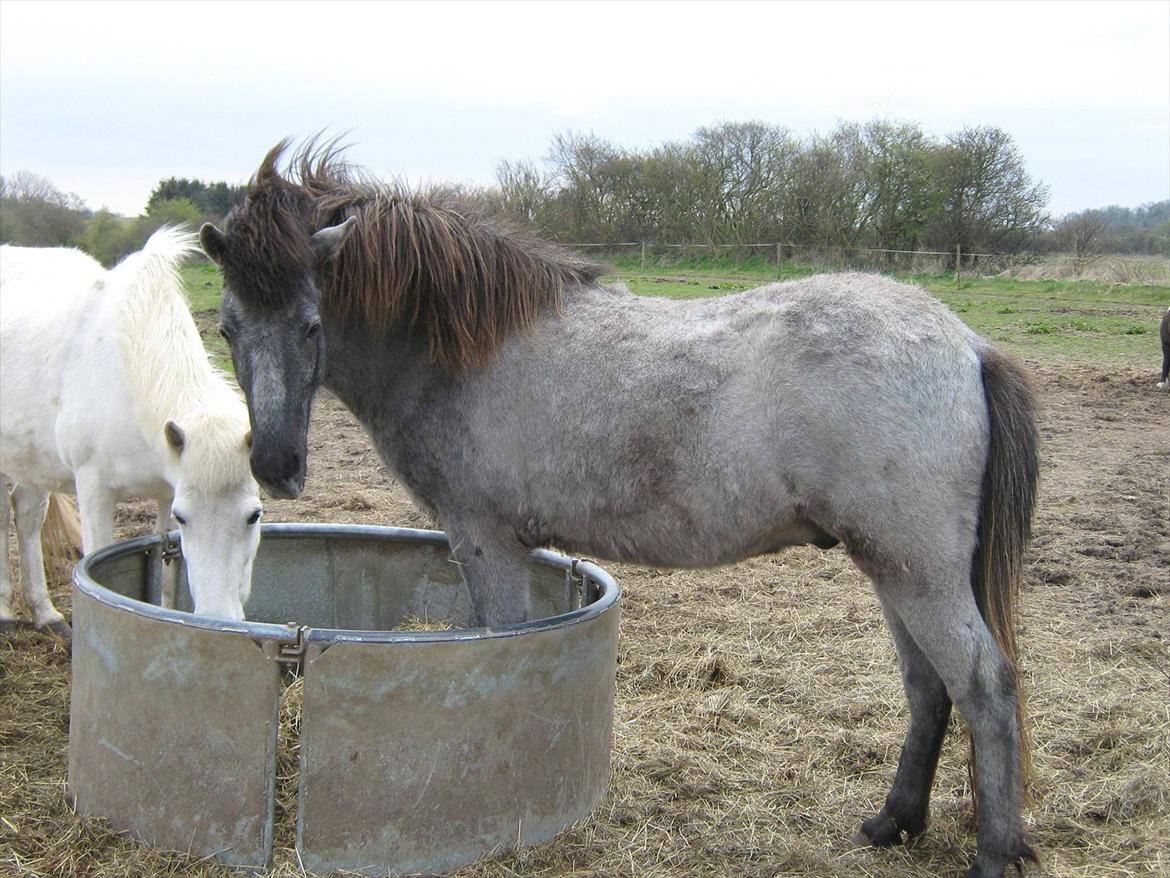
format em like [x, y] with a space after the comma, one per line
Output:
[429, 258]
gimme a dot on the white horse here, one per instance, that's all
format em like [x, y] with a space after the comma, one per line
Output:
[106, 392]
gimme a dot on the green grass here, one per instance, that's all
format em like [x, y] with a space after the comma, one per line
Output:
[203, 283]
[1045, 319]
[1118, 324]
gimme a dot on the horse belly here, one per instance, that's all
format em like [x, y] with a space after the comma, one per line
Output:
[28, 460]
[667, 543]
[708, 523]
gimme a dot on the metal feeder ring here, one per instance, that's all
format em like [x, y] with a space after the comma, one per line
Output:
[419, 751]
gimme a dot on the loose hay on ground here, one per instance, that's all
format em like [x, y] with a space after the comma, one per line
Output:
[758, 708]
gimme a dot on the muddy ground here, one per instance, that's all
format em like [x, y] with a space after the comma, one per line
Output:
[758, 709]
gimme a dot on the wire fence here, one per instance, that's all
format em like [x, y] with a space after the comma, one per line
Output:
[723, 261]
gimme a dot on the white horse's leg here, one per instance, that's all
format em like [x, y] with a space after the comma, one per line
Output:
[29, 507]
[7, 610]
[95, 505]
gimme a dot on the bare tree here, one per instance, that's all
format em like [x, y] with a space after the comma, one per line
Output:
[881, 184]
[33, 212]
[523, 191]
[1080, 232]
[898, 191]
[741, 170]
[986, 200]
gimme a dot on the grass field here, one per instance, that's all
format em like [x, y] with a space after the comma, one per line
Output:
[1085, 321]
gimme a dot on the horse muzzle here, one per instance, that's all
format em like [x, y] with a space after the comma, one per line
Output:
[282, 477]
[289, 489]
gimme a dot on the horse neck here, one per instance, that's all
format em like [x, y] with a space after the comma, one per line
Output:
[166, 367]
[359, 359]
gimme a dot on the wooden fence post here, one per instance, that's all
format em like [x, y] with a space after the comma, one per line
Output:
[779, 257]
[643, 259]
[958, 263]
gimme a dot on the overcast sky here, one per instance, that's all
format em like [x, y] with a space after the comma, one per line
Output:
[107, 98]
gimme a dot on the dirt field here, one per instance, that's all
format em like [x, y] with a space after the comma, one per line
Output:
[759, 713]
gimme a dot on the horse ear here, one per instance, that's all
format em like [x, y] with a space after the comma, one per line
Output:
[175, 437]
[214, 243]
[327, 242]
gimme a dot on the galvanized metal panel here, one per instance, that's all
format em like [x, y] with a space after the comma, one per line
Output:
[290, 580]
[173, 731]
[551, 591]
[420, 751]
[376, 584]
[422, 756]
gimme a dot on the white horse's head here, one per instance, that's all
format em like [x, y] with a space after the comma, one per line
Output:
[217, 506]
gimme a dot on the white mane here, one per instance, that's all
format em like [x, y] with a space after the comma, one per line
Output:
[167, 368]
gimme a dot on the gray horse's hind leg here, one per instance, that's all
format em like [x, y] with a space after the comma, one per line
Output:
[907, 807]
[495, 568]
[980, 682]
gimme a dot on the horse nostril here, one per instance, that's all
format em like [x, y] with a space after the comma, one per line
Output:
[277, 468]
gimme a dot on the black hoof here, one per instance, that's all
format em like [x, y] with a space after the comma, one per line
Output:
[1015, 865]
[878, 831]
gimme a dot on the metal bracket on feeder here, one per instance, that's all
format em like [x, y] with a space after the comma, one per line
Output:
[171, 548]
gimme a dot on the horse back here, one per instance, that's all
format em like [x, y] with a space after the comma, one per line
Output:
[47, 298]
[721, 428]
[62, 380]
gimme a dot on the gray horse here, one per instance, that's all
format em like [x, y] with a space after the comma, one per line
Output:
[527, 404]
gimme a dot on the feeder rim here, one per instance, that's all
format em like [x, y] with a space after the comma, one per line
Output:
[293, 633]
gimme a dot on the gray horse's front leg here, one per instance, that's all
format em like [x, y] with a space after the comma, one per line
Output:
[906, 811]
[495, 568]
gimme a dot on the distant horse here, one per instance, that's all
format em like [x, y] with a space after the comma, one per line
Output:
[106, 391]
[526, 404]
[1164, 332]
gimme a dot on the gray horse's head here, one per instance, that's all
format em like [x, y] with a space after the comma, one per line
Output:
[269, 316]
[426, 262]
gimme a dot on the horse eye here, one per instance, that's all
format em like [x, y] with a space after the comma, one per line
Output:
[227, 336]
[254, 517]
[179, 518]
[312, 329]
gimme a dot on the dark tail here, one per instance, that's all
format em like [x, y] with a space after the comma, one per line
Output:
[1005, 514]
